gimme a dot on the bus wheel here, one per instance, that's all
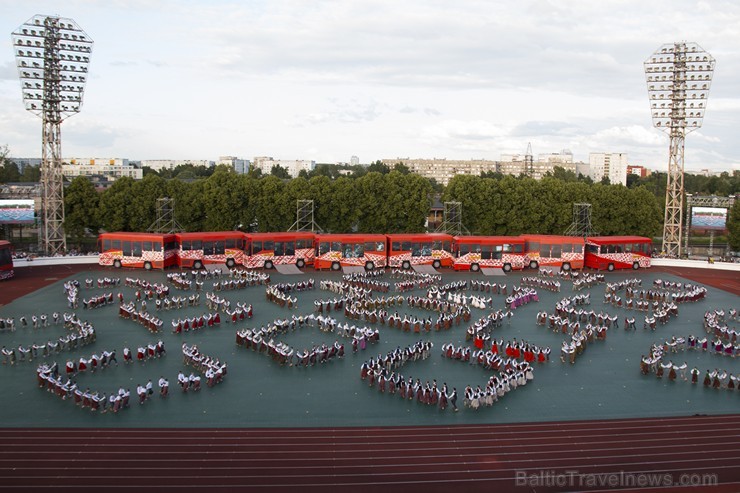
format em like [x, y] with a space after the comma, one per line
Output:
[369, 266]
[475, 267]
[566, 267]
[436, 264]
[268, 265]
[335, 266]
[610, 267]
[117, 264]
[147, 266]
[636, 265]
[197, 265]
[533, 264]
[406, 265]
[300, 263]
[507, 267]
[230, 263]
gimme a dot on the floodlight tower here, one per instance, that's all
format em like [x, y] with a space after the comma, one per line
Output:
[678, 79]
[52, 55]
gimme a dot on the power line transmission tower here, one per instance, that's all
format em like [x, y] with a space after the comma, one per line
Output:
[678, 78]
[581, 225]
[52, 55]
[452, 220]
[165, 222]
[304, 217]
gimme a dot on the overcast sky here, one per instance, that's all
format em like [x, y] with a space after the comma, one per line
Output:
[325, 80]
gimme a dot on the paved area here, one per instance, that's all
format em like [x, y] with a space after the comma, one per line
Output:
[605, 381]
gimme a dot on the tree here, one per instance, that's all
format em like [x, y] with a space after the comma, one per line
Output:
[113, 208]
[733, 226]
[378, 167]
[280, 172]
[401, 168]
[80, 209]
[31, 173]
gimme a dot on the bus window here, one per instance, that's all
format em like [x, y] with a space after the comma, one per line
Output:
[106, 245]
[359, 250]
[230, 243]
[219, 248]
[146, 246]
[486, 251]
[302, 244]
[567, 247]
[533, 246]
[594, 249]
[289, 248]
[207, 248]
[256, 247]
[416, 249]
[447, 246]
[136, 248]
[369, 247]
[464, 249]
[555, 251]
[380, 246]
[436, 245]
[578, 248]
[396, 246]
[279, 249]
[323, 247]
[336, 246]
[518, 248]
[544, 250]
[126, 248]
[628, 248]
[116, 245]
[171, 245]
[406, 246]
[268, 245]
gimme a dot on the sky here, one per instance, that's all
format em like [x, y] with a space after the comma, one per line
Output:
[326, 80]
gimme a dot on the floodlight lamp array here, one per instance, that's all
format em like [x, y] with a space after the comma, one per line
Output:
[52, 55]
[678, 77]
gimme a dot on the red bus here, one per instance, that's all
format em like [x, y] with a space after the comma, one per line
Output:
[476, 252]
[565, 252]
[618, 252]
[406, 250]
[269, 249]
[334, 251]
[147, 250]
[6, 260]
[212, 247]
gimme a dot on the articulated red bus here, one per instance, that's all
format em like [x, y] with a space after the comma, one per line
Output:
[618, 252]
[565, 252]
[270, 249]
[6, 260]
[477, 252]
[407, 250]
[212, 247]
[147, 250]
[334, 251]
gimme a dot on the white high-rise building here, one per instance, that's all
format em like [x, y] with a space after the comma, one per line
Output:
[294, 166]
[612, 166]
[354, 161]
[241, 166]
[111, 168]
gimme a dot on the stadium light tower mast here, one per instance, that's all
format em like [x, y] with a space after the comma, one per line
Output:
[52, 55]
[678, 79]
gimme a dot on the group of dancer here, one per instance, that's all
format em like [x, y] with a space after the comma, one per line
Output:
[213, 369]
[130, 311]
[81, 333]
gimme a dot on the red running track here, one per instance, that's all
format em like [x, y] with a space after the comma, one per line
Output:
[460, 458]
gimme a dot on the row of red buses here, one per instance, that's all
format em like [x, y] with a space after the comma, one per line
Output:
[371, 251]
[6, 260]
